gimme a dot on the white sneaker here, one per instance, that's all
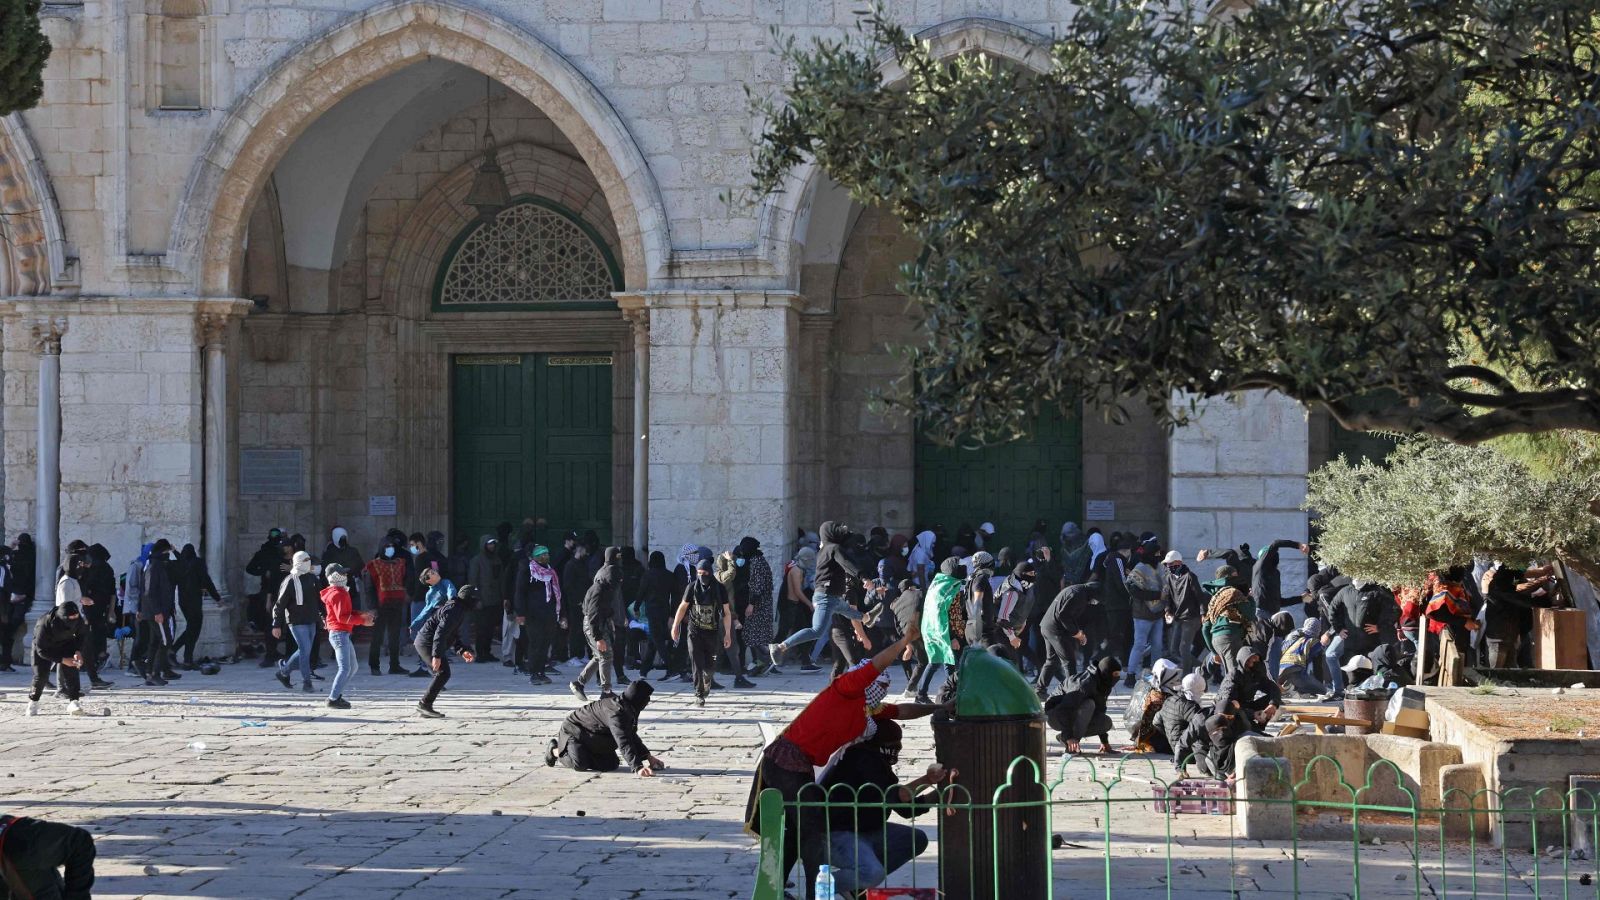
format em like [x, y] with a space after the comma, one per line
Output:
[33, 707]
[75, 709]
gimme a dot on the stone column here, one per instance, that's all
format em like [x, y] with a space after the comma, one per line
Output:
[47, 495]
[1238, 474]
[638, 315]
[218, 626]
[723, 453]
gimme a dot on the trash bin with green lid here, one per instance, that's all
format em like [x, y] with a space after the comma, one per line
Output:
[988, 853]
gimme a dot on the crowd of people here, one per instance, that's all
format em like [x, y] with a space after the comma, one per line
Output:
[1080, 613]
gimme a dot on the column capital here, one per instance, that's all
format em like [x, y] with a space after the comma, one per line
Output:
[47, 332]
[212, 329]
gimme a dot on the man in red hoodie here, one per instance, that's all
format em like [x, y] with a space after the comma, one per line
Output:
[842, 714]
[341, 619]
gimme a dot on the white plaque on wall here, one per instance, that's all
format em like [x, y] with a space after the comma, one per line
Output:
[380, 506]
[1100, 510]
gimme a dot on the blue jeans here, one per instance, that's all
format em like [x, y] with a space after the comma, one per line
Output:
[344, 656]
[823, 609]
[303, 636]
[1147, 635]
[1334, 654]
[864, 860]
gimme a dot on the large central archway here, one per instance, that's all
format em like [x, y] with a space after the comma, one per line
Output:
[208, 237]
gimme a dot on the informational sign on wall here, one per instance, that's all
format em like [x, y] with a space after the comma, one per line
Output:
[272, 473]
[380, 506]
[1100, 510]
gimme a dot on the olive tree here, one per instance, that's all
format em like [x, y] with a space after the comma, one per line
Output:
[1380, 208]
[1434, 504]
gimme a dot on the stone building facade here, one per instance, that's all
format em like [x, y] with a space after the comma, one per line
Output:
[242, 288]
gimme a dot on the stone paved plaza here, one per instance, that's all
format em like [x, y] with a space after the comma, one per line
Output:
[375, 802]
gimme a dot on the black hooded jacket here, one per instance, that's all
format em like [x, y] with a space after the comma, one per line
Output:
[440, 633]
[56, 637]
[1245, 683]
[600, 602]
[1066, 612]
[193, 581]
[100, 582]
[1093, 686]
[1266, 584]
[610, 726]
[1177, 715]
[836, 571]
[656, 590]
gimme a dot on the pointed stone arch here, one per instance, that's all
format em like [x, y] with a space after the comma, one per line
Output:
[33, 249]
[207, 242]
[786, 214]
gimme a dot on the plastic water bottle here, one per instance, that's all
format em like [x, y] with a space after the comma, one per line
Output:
[825, 888]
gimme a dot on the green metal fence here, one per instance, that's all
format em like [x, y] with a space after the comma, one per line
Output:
[1313, 834]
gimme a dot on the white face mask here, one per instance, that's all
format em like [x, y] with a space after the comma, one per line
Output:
[388, 553]
[416, 551]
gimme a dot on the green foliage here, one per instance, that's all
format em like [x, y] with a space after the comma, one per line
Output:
[23, 52]
[1335, 200]
[1435, 504]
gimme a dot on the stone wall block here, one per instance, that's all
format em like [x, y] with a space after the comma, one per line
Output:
[678, 444]
[1193, 456]
[1241, 492]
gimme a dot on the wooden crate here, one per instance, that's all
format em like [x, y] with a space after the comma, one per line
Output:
[1560, 639]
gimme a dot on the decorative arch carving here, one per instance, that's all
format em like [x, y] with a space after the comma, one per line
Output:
[33, 249]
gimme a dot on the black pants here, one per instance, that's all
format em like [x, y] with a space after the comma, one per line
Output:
[846, 651]
[37, 849]
[440, 678]
[193, 615]
[41, 677]
[14, 615]
[656, 647]
[573, 753]
[1059, 652]
[387, 627]
[576, 644]
[539, 632]
[485, 630]
[703, 644]
[153, 642]
[1119, 635]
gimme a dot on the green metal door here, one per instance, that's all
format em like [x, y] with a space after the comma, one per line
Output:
[532, 439]
[1039, 476]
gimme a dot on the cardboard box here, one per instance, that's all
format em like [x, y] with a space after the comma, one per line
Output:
[1560, 639]
[1411, 718]
[1402, 731]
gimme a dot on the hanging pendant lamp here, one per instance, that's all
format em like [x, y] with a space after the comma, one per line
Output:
[489, 193]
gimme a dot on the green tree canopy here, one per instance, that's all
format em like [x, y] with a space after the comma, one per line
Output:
[1340, 201]
[1435, 504]
[23, 52]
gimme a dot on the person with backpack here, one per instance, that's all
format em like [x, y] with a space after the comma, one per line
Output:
[706, 610]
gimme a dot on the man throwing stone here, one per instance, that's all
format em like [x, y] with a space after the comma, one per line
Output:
[594, 735]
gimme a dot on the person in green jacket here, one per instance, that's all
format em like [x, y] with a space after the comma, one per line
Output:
[1227, 618]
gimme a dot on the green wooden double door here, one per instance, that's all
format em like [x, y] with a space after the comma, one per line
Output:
[1038, 476]
[532, 438]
